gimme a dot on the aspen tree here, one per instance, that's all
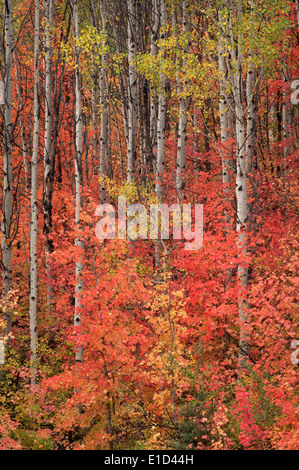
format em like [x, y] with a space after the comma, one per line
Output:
[184, 104]
[245, 141]
[132, 89]
[155, 26]
[94, 94]
[103, 106]
[34, 209]
[223, 109]
[7, 204]
[78, 174]
[161, 121]
[48, 149]
[24, 142]
[241, 184]
[161, 124]
[286, 119]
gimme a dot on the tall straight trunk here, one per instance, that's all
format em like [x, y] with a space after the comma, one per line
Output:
[251, 94]
[142, 132]
[103, 108]
[121, 156]
[155, 26]
[161, 121]
[123, 88]
[241, 196]
[24, 143]
[286, 121]
[223, 112]
[48, 155]
[195, 138]
[34, 210]
[184, 102]
[109, 168]
[235, 73]
[78, 177]
[94, 96]
[7, 204]
[161, 124]
[132, 90]
[94, 110]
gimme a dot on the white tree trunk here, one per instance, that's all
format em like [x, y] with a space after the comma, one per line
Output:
[159, 171]
[235, 73]
[78, 176]
[48, 160]
[241, 197]
[223, 110]
[224, 123]
[251, 92]
[161, 123]
[132, 90]
[183, 116]
[103, 107]
[7, 168]
[155, 26]
[34, 209]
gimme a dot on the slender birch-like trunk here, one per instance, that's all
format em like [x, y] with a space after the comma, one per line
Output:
[223, 111]
[24, 143]
[103, 108]
[94, 96]
[132, 90]
[241, 194]
[252, 83]
[48, 149]
[155, 26]
[7, 204]
[94, 110]
[286, 121]
[34, 209]
[184, 102]
[123, 88]
[161, 123]
[235, 75]
[78, 175]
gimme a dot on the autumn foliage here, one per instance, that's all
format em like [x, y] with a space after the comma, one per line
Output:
[160, 342]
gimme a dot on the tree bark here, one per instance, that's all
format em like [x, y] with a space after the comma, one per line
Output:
[34, 209]
[161, 124]
[286, 121]
[184, 103]
[7, 205]
[223, 110]
[161, 121]
[48, 151]
[155, 27]
[78, 178]
[103, 108]
[132, 90]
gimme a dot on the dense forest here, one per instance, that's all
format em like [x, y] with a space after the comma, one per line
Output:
[136, 342]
